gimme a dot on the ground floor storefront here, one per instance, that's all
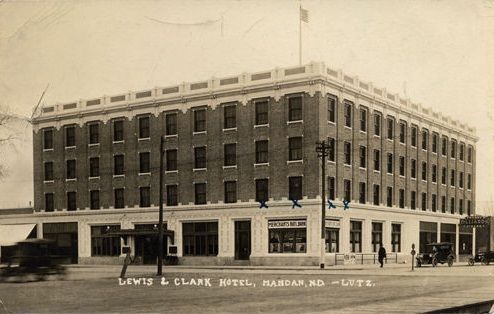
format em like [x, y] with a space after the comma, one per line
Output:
[247, 235]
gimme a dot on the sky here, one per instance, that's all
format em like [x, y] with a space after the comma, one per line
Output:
[438, 53]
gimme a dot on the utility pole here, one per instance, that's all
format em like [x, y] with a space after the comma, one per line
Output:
[160, 221]
[322, 149]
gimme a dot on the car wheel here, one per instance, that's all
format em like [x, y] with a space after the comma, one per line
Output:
[471, 261]
[434, 262]
[450, 262]
[419, 263]
[485, 261]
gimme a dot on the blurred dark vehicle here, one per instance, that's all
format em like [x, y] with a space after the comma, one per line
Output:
[441, 252]
[482, 257]
[34, 260]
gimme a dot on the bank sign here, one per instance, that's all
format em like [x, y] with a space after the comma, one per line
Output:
[276, 224]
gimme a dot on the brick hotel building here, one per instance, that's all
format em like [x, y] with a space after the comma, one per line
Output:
[230, 143]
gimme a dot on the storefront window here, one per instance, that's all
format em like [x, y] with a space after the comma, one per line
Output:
[103, 243]
[287, 236]
[356, 236]
[377, 236]
[200, 238]
[428, 234]
[332, 236]
[448, 234]
[395, 238]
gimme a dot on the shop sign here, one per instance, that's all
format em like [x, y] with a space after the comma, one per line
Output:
[474, 221]
[332, 223]
[277, 224]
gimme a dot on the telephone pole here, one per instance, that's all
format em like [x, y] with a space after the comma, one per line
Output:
[160, 221]
[322, 149]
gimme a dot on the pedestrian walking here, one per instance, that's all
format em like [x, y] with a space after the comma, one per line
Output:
[382, 255]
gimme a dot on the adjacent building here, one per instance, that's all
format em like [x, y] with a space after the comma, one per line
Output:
[242, 179]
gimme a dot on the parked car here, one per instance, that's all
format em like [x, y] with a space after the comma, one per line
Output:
[441, 252]
[482, 257]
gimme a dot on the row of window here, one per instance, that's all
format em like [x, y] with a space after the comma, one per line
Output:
[402, 136]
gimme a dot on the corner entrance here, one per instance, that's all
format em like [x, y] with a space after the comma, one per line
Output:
[242, 240]
[146, 245]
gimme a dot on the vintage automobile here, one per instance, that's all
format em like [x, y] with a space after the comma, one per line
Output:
[482, 257]
[34, 260]
[441, 252]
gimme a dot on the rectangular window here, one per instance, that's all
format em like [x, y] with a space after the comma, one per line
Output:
[453, 177]
[460, 183]
[143, 127]
[390, 122]
[362, 198]
[295, 108]
[347, 190]
[363, 120]
[199, 120]
[452, 205]
[413, 169]
[434, 173]
[363, 157]
[331, 188]
[355, 236]
[171, 159]
[119, 198]
[395, 238]
[376, 196]
[145, 196]
[434, 202]
[261, 152]
[402, 198]
[48, 139]
[295, 148]
[469, 181]
[262, 112]
[332, 240]
[71, 169]
[377, 124]
[93, 133]
[424, 201]
[103, 243]
[331, 109]
[453, 149]
[48, 171]
[295, 188]
[443, 175]
[69, 136]
[230, 191]
[71, 201]
[94, 167]
[424, 171]
[229, 117]
[171, 124]
[443, 204]
[413, 200]
[200, 160]
[94, 199]
[230, 154]
[469, 207]
[389, 197]
[462, 152]
[144, 160]
[49, 202]
[377, 236]
[348, 115]
[460, 207]
[287, 240]
[118, 165]
[262, 190]
[402, 166]
[348, 153]
[434, 142]
[469, 154]
[390, 163]
[200, 193]
[118, 130]
[444, 146]
[172, 195]
[332, 149]
[403, 128]
[414, 136]
[425, 137]
[200, 238]
[377, 159]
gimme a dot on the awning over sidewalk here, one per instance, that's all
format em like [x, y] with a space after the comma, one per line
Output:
[11, 234]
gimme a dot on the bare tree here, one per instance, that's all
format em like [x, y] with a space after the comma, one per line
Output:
[10, 134]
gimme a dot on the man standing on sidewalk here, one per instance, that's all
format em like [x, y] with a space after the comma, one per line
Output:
[381, 255]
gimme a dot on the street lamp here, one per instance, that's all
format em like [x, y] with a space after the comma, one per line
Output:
[160, 220]
[322, 149]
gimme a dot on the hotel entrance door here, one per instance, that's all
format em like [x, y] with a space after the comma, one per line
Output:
[242, 240]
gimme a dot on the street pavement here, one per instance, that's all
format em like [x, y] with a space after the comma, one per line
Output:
[343, 289]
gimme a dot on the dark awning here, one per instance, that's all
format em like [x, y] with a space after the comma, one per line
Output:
[137, 232]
